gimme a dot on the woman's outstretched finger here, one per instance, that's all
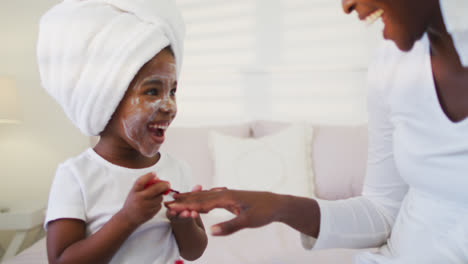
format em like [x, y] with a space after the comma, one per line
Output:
[202, 207]
[202, 201]
[218, 189]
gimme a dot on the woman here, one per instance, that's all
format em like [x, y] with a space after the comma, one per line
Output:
[414, 203]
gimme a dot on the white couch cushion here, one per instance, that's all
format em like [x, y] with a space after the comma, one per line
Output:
[339, 157]
[190, 144]
[278, 163]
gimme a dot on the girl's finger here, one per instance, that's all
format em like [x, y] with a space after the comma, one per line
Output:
[172, 213]
[156, 190]
[185, 214]
[143, 180]
[194, 214]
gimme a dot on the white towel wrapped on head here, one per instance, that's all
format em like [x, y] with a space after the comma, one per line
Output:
[89, 51]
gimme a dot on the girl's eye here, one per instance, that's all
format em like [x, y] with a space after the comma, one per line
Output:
[173, 92]
[152, 91]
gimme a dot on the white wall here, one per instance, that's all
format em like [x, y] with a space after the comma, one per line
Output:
[30, 152]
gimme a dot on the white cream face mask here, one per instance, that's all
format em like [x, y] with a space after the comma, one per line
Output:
[150, 110]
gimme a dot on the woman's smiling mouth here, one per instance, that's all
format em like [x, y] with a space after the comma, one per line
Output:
[371, 18]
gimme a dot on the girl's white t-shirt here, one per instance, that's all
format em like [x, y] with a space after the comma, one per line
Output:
[90, 188]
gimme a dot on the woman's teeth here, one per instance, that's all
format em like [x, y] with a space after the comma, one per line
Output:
[370, 19]
[158, 126]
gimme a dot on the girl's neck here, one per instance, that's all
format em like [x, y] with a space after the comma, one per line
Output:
[122, 154]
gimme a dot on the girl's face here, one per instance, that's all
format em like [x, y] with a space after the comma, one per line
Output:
[405, 20]
[149, 105]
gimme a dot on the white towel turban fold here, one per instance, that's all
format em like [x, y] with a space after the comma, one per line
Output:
[89, 51]
[455, 14]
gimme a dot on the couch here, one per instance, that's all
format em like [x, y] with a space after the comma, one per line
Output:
[337, 154]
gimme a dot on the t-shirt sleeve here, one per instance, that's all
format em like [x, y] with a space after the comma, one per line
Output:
[367, 220]
[65, 197]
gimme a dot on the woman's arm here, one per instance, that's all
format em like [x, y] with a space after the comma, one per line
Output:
[252, 209]
[67, 241]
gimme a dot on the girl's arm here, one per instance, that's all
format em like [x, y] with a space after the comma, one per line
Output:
[190, 236]
[67, 241]
[189, 232]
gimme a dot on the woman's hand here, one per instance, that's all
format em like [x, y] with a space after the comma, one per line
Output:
[252, 209]
[144, 202]
[183, 215]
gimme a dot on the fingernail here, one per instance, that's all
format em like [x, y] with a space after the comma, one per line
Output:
[215, 230]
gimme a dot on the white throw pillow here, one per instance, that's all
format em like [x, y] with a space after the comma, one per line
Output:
[279, 163]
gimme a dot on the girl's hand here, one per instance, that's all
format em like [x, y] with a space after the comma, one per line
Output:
[179, 215]
[143, 203]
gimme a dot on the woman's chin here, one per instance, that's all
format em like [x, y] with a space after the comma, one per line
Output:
[405, 46]
[406, 42]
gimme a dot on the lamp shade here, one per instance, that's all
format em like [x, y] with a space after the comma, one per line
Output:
[9, 111]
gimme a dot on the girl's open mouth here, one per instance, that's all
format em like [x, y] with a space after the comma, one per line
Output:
[158, 131]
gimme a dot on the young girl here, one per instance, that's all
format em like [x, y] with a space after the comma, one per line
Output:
[113, 66]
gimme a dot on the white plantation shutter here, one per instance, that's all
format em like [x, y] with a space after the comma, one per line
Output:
[219, 41]
[318, 33]
[219, 33]
[273, 59]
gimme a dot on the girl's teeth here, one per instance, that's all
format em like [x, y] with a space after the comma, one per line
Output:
[374, 16]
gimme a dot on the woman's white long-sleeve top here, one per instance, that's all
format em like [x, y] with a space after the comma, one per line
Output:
[414, 203]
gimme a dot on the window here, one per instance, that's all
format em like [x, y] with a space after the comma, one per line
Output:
[273, 59]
